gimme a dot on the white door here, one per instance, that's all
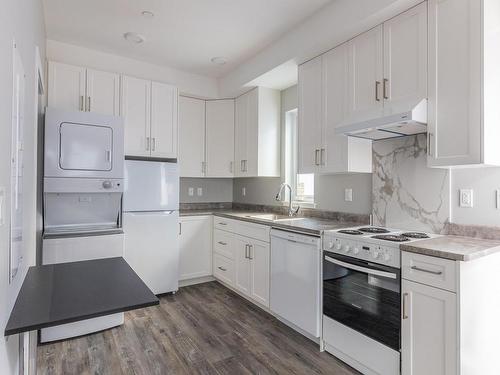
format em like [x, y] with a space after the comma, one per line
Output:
[405, 60]
[242, 263]
[191, 137]
[195, 247]
[310, 116]
[454, 110]
[259, 254]
[136, 110]
[365, 78]
[66, 87]
[251, 165]
[151, 248]
[240, 134]
[220, 138]
[103, 92]
[164, 104]
[429, 342]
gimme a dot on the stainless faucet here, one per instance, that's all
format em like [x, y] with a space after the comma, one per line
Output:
[291, 211]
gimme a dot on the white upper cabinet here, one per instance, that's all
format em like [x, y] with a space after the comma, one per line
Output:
[136, 112]
[149, 110]
[365, 76]
[76, 88]
[322, 106]
[164, 104]
[220, 138]
[191, 137]
[464, 83]
[310, 121]
[66, 87]
[257, 133]
[405, 60]
[103, 92]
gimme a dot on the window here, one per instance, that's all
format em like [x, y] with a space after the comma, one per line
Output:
[302, 184]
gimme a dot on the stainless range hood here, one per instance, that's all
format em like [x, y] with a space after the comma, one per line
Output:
[394, 125]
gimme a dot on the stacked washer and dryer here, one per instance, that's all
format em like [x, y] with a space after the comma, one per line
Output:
[83, 191]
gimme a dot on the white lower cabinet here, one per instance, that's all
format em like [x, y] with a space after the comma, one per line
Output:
[195, 247]
[240, 261]
[428, 330]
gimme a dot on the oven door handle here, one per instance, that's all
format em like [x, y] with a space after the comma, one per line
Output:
[370, 271]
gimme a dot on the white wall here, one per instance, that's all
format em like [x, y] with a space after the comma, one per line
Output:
[188, 83]
[330, 26]
[21, 20]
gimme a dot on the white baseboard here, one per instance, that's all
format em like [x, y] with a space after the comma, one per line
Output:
[196, 280]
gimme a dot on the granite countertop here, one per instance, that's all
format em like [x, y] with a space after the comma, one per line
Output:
[307, 225]
[453, 247]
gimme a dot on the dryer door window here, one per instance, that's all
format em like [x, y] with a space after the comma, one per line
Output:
[85, 147]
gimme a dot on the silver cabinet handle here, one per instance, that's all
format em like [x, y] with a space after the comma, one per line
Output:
[222, 269]
[384, 89]
[322, 157]
[245, 165]
[429, 143]
[147, 143]
[222, 243]
[230, 167]
[428, 271]
[246, 251]
[203, 167]
[81, 103]
[108, 155]
[316, 156]
[377, 84]
[222, 223]
[88, 104]
[180, 229]
[405, 313]
[241, 165]
[250, 249]
[153, 148]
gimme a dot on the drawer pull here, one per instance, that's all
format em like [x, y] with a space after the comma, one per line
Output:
[428, 271]
[405, 314]
[222, 243]
[222, 269]
[222, 223]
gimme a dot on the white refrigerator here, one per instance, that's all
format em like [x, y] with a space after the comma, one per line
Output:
[151, 223]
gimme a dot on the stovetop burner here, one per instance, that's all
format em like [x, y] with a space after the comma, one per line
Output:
[392, 237]
[373, 230]
[351, 231]
[415, 235]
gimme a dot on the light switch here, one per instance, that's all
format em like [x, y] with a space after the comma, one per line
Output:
[348, 195]
[200, 191]
[190, 191]
[466, 198]
[243, 191]
[2, 205]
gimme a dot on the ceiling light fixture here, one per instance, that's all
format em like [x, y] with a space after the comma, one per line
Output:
[147, 14]
[219, 60]
[133, 37]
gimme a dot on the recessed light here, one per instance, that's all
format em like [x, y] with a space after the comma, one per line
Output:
[219, 60]
[147, 14]
[133, 37]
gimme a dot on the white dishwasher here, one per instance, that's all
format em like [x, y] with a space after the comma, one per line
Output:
[295, 279]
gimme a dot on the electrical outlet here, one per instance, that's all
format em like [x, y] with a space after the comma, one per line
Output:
[2, 205]
[243, 191]
[190, 191]
[199, 191]
[466, 198]
[348, 195]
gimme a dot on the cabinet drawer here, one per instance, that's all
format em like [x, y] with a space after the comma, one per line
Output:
[243, 228]
[224, 269]
[223, 243]
[224, 224]
[437, 272]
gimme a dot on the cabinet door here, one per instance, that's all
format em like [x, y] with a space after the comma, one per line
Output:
[103, 92]
[66, 87]
[240, 135]
[251, 164]
[195, 247]
[429, 330]
[454, 110]
[136, 109]
[164, 103]
[364, 91]
[405, 60]
[220, 138]
[191, 137]
[310, 115]
[260, 271]
[242, 262]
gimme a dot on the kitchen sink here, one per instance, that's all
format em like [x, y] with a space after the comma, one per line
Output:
[274, 217]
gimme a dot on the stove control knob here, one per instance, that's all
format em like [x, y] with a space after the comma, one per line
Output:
[338, 246]
[375, 254]
[347, 248]
[356, 250]
[107, 184]
[330, 245]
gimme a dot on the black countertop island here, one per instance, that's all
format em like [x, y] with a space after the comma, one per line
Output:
[63, 293]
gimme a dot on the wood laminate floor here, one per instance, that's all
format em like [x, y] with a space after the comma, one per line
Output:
[203, 329]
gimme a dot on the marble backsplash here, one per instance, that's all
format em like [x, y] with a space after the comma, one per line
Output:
[405, 193]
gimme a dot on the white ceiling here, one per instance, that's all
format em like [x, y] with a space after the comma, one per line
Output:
[183, 34]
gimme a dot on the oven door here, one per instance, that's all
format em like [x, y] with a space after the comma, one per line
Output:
[363, 296]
